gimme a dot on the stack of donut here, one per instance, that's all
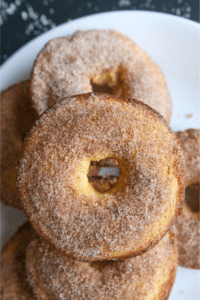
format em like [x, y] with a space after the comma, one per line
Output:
[91, 237]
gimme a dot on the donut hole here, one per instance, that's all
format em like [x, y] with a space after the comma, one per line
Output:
[192, 196]
[103, 174]
[104, 88]
[111, 82]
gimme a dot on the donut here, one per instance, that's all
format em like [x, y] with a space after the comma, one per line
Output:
[17, 116]
[101, 184]
[188, 223]
[148, 276]
[63, 206]
[14, 284]
[97, 61]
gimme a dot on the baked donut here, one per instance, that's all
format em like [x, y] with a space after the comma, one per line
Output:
[63, 206]
[188, 222]
[17, 116]
[97, 61]
[14, 284]
[148, 276]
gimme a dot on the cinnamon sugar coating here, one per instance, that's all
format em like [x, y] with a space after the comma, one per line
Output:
[190, 143]
[188, 223]
[14, 284]
[70, 65]
[17, 116]
[148, 276]
[64, 207]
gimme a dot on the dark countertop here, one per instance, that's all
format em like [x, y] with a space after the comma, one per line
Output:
[22, 20]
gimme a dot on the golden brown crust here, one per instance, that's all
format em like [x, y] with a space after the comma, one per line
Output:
[67, 65]
[190, 143]
[14, 285]
[17, 116]
[167, 286]
[62, 144]
[188, 223]
[149, 276]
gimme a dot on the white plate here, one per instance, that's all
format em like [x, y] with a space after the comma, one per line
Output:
[174, 44]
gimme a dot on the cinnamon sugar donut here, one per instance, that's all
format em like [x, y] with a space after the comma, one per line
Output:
[148, 276]
[14, 285]
[63, 206]
[99, 61]
[188, 223]
[17, 116]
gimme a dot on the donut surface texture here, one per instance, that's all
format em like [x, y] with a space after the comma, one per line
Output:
[63, 206]
[148, 276]
[14, 284]
[78, 63]
[188, 223]
[17, 116]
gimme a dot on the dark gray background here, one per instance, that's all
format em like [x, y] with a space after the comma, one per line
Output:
[22, 20]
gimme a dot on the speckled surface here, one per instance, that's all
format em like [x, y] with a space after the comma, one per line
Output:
[131, 217]
[26, 19]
